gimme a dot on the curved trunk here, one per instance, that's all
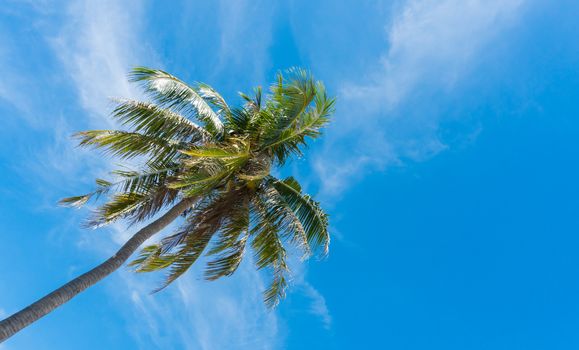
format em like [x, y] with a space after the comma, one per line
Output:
[33, 312]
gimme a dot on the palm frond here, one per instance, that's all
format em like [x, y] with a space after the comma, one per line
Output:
[102, 187]
[157, 199]
[231, 241]
[276, 290]
[227, 262]
[75, 201]
[288, 225]
[152, 120]
[208, 167]
[145, 180]
[309, 213]
[253, 104]
[151, 259]
[180, 250]
[224, 152]
[130, 181]
[209, 94]
[238, 120]
[290, 132]
[170, 92]
[294, 95]
[140, 197]
[269, 251]
[287, 141]
[235, 224]
[118, 207]
[184, 258]
[126, 145]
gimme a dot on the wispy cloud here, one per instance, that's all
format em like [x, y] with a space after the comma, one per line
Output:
[311, 300]
[318, 306]
[98, 45]
[433, 42]
[226, 314]
[432, 46]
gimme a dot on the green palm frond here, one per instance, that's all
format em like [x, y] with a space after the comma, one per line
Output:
[118, 207]
[102, 187]
[294, 94]
[139, 196]
[232, 150]
[191, 242]
[228, 261]
[209, 166]
[152, 120]
[151, 259]
[309, 213]
[276, 290]
[158, 199]
[209, 94]
[179, 251]
[287, 224]
[170, 92]
[127, 145]
[129, 181]
[253, 104]
[236, 224]
[184, 258]
[144, 180]
[239, 120]
[291, 133]
[204, 178]
[229, 245]
[269, 251]
[75, 201]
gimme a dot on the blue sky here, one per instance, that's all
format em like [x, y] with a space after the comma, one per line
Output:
[449, 171]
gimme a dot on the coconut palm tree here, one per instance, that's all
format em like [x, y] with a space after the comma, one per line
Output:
[210, 163]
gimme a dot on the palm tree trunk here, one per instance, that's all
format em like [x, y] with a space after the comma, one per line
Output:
[40, 308]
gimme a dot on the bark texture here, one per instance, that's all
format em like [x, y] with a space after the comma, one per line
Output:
[45, 305]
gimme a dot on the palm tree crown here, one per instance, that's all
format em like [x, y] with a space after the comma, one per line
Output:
[192, 144]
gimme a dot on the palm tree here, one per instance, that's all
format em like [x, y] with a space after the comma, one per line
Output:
[210, 163]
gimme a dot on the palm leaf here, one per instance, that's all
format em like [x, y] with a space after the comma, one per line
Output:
[126, 145]
[155, 121]
[290, 132]
[173, 93]
[269, 251]
[312, 218]
[276, 290]
[231, 241]
[209, 94]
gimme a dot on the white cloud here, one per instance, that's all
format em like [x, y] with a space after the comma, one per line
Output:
[226, 314]
[98, 46]
[318, 306]
[433, 46]
[434, 41]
